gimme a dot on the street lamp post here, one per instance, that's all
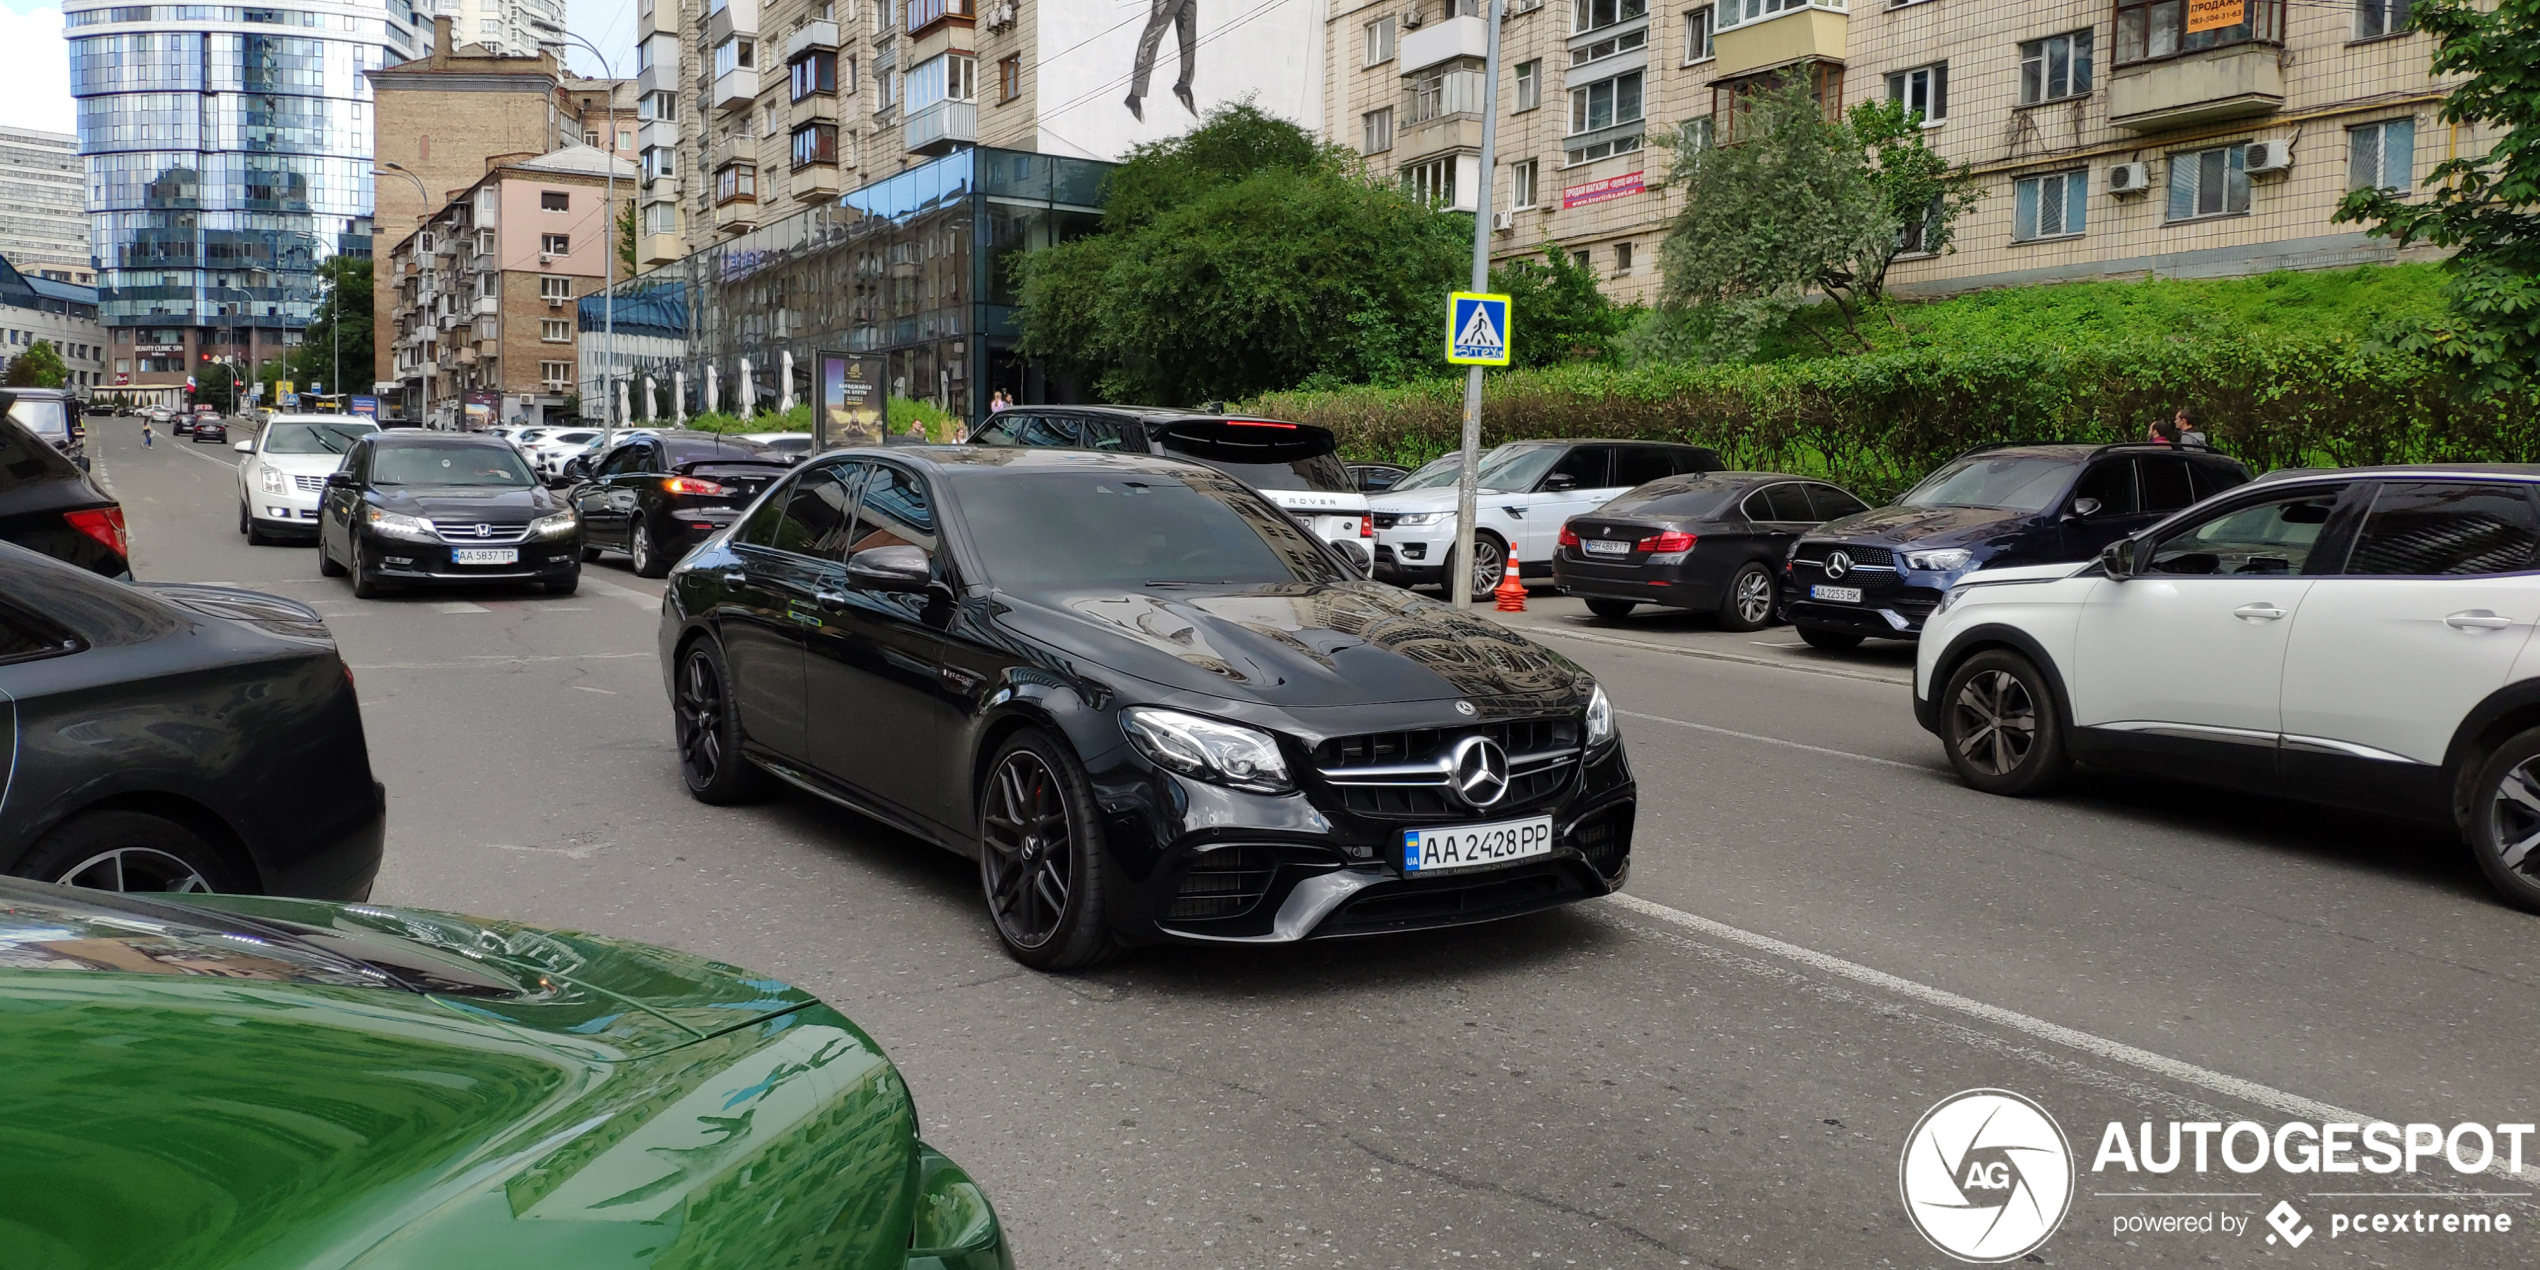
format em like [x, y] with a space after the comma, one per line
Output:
[423, 216]
[608, 235]
[233, 331]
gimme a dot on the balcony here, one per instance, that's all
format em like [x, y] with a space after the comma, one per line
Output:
[487, 306]
[1438, 41]
[655, 250]
[2233, 82]
[941, 127]
[657, 134]
[737, 17]
[735, 89]
[1793, 35]
[815, 183]
[814, 36]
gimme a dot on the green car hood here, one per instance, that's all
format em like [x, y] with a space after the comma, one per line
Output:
[232, 1096]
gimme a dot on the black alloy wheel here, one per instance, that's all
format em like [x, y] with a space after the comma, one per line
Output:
[1747, 604]
[2000, 726]
[706, 723]
[2504, 820]
[648, 558]
[126, 851]
[1612, 610]
[1040, 859]
[1823, 640]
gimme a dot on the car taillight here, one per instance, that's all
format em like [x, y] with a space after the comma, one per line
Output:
[1568, 539]
[1366, 526]
[691, 485]
[104, 524]
[1672, 540]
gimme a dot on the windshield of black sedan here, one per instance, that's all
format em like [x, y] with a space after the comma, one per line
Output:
[496, 465]
[2007, 484]
[314, 438]
[1132, 529]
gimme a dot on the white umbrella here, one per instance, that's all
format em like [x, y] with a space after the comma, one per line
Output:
[714, 399]
[678, 396]
[649, 389]
[748, 390]
[785, 381]
[622, 416]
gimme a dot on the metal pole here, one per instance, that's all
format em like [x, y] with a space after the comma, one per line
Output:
[1460, 587]
[608, 292]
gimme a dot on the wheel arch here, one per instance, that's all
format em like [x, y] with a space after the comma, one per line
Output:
[1977, 639]
[204, 822]
[2505, 714]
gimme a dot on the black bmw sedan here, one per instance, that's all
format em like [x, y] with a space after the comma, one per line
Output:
[178, 738]
[412, 508]
[1711, 542]
[654, 496]
[48, 504]
[1147, 703]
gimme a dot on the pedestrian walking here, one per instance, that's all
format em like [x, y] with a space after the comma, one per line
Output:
[145, 432]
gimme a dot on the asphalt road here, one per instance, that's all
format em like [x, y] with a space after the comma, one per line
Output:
[1824, 936]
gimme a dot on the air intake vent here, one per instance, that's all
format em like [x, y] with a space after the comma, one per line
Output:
[1224, 882]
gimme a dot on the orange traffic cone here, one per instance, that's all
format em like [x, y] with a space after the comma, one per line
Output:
[1511, 592]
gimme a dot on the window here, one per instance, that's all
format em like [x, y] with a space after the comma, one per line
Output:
[1622, 258]
[2158, 28]
[2377, 18]
[2446, 529]
[1924, 90]
[555, 376]
[1523, 178]
[735, 182]
[661, 218]
[489, 26]
[1529, 84]
[660, 162]
[815, 143]
[1590, 15]
[1432, 181]
[2209, 182]
[1605, 103]
[2050, 206]
[1376, 131]
[555, 330]
[1698, 35]
[555, 244]
[663, 106]
[812, 73]
[1732, 99]
[1922, 236]
[1454, 92]
[2055, 68]
[1380, 41]
[1009, 78]
[735, 54]
[2273, 537]
[554, 201]
[591, 138]
[1637, 37]
[1735, 12]
[950, 77]
[551, 287]
[2382, 155]
[894, 512]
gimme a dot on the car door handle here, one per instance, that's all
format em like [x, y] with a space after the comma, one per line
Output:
[2477, 620]
[830, 599]
[2261, 611]
[734, 578]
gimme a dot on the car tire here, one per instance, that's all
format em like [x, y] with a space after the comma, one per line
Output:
[1612, 610]
[590, 555]
[1824, 640]
[1035, 786]
[246, 523]
[365, 584]
[565, 585]
[706, 726]
[1747, 603]
[127, 851]
[255, 537]
[1490, 565]
[2504, 820]
[1999, 725]
[648, 558]
[327, 568]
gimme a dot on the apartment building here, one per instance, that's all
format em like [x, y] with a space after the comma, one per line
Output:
[482, 298]
[514, 28]
[44, 205]
[2117, 138]
[35, 308]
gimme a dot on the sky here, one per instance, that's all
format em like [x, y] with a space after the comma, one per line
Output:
[36, 64]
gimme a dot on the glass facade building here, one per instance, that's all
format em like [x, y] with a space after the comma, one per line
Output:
[917, 267]
[228, 153]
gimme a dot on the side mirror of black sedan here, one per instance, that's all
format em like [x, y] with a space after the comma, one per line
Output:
[339, 480]
[898, 568]
[2118, 558]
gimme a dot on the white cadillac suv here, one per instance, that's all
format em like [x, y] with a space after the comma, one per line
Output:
[284, 474]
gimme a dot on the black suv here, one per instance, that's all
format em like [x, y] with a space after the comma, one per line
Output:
[1880, 573]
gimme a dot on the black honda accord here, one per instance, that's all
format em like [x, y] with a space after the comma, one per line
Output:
[437, 507]
[1150, 706]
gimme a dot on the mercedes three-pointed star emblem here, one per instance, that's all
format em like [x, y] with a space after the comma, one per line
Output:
[1838, 563]
[1478, 771]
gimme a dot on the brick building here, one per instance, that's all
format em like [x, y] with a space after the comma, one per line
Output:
[482, 300]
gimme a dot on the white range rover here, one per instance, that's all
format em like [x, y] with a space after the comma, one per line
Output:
[2359, 637]
[284, 474]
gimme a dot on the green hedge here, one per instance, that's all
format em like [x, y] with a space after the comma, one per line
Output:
[1879, 421]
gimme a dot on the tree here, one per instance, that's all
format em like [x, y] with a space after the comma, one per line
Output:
[2486, 207]
[214, 382]
[626, 254]
[1802, 204]
[1557, 311]
[1242, 257]
[38, 367]
[347, 283]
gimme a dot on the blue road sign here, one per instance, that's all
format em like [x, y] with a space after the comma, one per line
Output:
[1477, 329]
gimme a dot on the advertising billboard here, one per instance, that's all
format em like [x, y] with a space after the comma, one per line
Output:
[1114, 76]
[853, 408]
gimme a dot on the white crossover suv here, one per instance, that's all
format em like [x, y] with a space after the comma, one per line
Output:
[1527, 491]
[284, 474]
[2359, 637]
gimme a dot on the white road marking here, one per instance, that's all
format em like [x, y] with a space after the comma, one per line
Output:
[1775, 663]
[460, 606]
[1773, 740]
[644, 600]
[588, 688]
[2249, 1091]
[231, 464]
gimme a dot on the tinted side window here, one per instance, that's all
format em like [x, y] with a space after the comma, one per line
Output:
[2166, 486]
[623, 460]
[1585, 465]
[1757, 506]
[816, 512]
[898, 510]
[2446, 528]
[998, 431]
[1689, 460]
[1115, 434]
[1638, 465]
[2112, 483]
[1039, 429]
[760, 529]
[1832, 503]
[2212, 478]
[1789, 502]
[2272, 537]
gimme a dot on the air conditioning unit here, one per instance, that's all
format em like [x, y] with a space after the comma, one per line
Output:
[1503, 221]
[2129, 178]
[546, 258]
[555, 302]
[2268, 156]
[1411, 19]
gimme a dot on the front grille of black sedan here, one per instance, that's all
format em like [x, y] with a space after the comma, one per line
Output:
[1224, 882]
[465, 533]
[1403, 775]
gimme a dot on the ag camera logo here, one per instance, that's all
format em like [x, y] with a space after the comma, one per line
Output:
[1987, 1176]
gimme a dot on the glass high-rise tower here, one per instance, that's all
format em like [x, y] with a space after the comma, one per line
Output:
[229, 152]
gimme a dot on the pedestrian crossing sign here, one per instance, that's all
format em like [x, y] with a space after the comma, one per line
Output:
[1476, 329]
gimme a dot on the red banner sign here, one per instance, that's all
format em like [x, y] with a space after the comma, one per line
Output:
[1623, 186]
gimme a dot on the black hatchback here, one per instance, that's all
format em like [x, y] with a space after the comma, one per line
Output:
[1878, 574]
[1712, 543]
[655, 496]
[423, 508]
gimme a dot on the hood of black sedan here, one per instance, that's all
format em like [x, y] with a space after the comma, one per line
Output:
[511, 504]
[1299, 644]
[1920, 526]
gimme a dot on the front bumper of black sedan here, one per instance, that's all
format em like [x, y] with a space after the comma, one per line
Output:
[1194, 862]
[406, 560]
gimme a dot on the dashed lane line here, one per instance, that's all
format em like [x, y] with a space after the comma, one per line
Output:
[1773, 740]
[644, 600]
